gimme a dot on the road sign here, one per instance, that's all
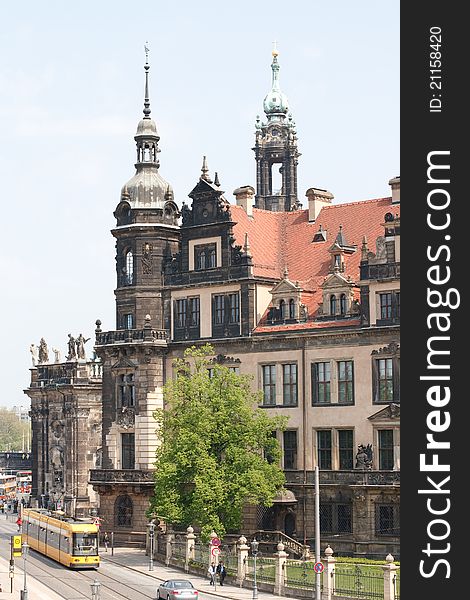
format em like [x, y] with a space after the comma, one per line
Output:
[318, 567]
[216, 542]
[215, 551]
[16, 545]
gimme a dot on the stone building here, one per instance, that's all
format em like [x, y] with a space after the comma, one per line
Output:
[305, 300]
[66, 432]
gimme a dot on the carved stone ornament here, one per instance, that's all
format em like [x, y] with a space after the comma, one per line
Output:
[126, 418]
[391, 349]
[147, 260]
[221, 359]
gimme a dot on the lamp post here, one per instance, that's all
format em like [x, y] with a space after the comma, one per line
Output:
[254, 551]
[151, 540]
[24, 591]
[95, 590]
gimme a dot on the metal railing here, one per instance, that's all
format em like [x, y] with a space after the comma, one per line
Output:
[359, 581]
[265, 569]
[300, 574]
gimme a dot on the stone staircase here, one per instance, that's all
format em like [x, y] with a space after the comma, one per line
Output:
[269, 540]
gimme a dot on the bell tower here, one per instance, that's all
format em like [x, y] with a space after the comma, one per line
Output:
[276, 148]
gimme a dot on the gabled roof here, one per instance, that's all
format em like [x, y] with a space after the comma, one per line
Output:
[284, 239]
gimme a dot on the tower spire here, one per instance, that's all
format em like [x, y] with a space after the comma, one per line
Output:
[147, 110]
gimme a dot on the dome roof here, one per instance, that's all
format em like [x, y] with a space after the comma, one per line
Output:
[275, 102]
[147, 189]
[147, 127]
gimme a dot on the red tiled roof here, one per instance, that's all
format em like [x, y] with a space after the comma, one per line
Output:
[284, 239]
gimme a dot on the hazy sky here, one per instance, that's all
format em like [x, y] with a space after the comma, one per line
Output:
[71, 94]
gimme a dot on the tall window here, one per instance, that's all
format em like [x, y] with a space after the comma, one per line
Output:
[126, 392]
[128, 450]
[123, 511]
[385, 449]
[219, 310]
[282, 309]
[194, 312]
[290, 449]
[129, 268]
[387, 519]
[332, 305]
[345, 443]
[291, 308]
[342, 304]
[386, 306]
[345, 382]
[128, 321]
[234, 302]
[335, 518]
[324, 448]
[289, 384]
[269, 385]
[212, 258]
[321, 383]
[385, 380]
[181, 312]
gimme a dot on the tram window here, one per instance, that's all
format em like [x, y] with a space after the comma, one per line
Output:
[85, 544]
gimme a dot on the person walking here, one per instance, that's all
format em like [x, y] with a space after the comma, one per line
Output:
[222, 572]
[105, 541]
[19, 522]
[211, 571]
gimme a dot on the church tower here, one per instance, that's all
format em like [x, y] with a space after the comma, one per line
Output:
[133, 355]
[276, 149]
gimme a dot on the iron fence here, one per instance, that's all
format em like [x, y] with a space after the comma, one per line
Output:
[201, 556]
[359, 581]
[396, 585]
[301, 574]
[265, 569]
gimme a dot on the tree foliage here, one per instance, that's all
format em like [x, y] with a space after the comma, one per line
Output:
[217, 451]
[13, 432]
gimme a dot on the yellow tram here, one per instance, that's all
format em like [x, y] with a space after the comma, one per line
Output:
[68, 541]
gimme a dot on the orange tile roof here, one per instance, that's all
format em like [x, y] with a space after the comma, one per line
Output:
[284, 239]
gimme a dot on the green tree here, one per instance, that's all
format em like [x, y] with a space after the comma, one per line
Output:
[217, 451]
[14, 433]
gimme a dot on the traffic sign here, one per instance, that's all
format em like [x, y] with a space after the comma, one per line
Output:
[16, 545]
[216, 542]
[215, 551]
[318, 567]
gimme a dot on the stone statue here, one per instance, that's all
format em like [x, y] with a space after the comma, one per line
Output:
[364, 457]
[57, 457]
[34, 354]
[56, 355]
[80, 342]
[43, 352]
[71, 346]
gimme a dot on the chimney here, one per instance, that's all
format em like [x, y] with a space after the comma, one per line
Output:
[395, 185]
[317, 199]
[244, 197]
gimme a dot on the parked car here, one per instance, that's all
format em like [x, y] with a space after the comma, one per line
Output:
[177, 589]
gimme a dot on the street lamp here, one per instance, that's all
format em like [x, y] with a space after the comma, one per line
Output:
[254, 551]
[151, 527]
[95, 590]
[24, 591]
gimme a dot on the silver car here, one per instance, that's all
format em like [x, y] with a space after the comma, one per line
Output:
[177, 589]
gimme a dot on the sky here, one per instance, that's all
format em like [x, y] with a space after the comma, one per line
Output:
[71, 95]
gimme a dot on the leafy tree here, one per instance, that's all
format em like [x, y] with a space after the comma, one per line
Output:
[216, 450]
[13, 432]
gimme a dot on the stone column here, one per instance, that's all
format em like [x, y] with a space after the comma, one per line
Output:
[389, 578]
[190, 542]
[280, 569]
[170, 538]
[242, 556]
[328, 574]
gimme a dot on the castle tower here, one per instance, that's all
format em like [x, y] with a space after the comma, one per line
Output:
[276, 148]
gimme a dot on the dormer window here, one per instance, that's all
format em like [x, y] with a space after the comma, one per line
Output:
[342, 304]
[337, 261]
[205, 257]
[291, 309]
[333, 304]
[282, 309]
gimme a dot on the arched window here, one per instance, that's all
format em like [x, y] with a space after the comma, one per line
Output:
[123, 511]
[342, 304]
[282, 309]
[212, 264]
[332, 304]
[129, 267]
[291, 308]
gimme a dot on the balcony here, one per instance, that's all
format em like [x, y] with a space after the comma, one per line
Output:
[125, 476]
[126, 336]
[357, 477]
[380, 271]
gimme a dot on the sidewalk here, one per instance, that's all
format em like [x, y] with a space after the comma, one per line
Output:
[35, 588]
[137, 560]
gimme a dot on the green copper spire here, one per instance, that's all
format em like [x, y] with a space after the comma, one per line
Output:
[275, 104]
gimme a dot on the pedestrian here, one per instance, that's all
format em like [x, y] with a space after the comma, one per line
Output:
[19, 522]
[105, 541]
[222, 572]
[211, 571]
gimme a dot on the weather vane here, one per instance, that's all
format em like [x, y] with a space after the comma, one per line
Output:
[147, 50]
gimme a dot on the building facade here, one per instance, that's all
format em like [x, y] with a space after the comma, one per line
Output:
[306, 301]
